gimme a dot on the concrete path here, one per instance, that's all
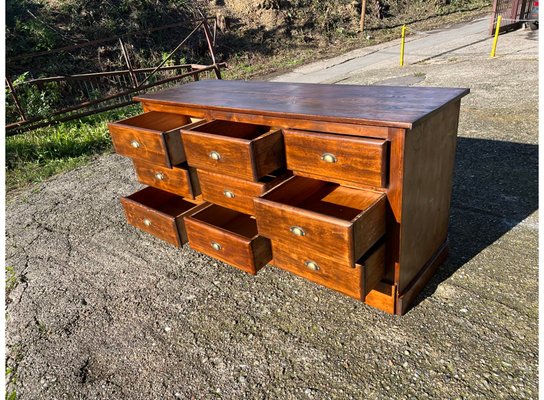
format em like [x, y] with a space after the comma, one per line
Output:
[99, 310]
[421, 46]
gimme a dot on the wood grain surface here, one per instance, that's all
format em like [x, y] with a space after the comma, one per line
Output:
[245, 151]
[392, 152]
[346, 280]
[328, 214]
[180, 179]
[389, 106]
[356, 281]
[153, 137]
[219, 189]
[429, 156]
[234, 233]
[159, 213]
[360, 161]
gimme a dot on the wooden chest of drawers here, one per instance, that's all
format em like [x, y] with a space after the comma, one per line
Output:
[346, 186]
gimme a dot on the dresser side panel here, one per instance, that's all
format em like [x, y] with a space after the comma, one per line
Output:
[429, 157]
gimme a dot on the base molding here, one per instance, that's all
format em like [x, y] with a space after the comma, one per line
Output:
[383, 297]
[405, 299]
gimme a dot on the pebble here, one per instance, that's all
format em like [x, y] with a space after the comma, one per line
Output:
[167, 328]
[463, 310]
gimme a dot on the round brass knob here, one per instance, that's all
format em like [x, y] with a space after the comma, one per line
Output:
[214, 155]
[216, 246]
[135, 144]
[328, 157]
[159, 176]
[147, 222]
[297, 230]
[312, 265]
[228, 194]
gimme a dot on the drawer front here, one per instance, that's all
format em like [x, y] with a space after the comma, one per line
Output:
[349, 159]
[226, 156]
[324, 270]
[249, 255]
[234, 193]
[157, 224]
[310, 231]
[178, 180]
[139, 145]
[229, 192]
[159, 213]
[154, 137]
[319, 269]
[319, 232]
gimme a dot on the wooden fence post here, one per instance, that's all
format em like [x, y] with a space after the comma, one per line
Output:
[362, 20]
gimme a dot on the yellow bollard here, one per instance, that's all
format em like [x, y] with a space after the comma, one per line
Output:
[403, 34]
[496, 36]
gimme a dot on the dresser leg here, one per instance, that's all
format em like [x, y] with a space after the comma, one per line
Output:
[418, 283]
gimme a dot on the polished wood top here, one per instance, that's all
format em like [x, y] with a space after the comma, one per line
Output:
[391, 106]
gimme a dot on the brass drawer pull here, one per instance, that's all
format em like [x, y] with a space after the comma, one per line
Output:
[147, 222]
[135, 144]
[297, 230]
[328, 157]
[159, 176]
[216, 246]
[228, 194]
[214, 155]
[312, 265]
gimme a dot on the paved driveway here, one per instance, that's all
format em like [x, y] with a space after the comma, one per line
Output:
[102, 311]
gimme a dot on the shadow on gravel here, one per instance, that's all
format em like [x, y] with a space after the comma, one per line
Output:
[495, 187]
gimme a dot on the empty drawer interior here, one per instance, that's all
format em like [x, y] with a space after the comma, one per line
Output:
[238, 130]
[323, 197]
[156, 121]
[228, 220]
[161, 201]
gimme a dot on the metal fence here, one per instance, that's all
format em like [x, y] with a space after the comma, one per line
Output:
[34, 103]
[513, 13]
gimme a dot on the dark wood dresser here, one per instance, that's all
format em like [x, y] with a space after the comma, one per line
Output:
[346, 186]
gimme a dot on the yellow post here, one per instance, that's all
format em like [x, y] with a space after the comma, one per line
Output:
[403, 34]
[496, 36]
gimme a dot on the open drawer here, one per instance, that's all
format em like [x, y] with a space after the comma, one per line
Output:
[159, 213]
[242, 150]
[229, 236]
[180, 179]
[322, 217]
[236, 193]
[152, 136]
[356, 282]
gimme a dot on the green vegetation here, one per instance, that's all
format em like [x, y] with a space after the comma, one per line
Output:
[262, 37]
[12, 363]
[11, 279]
[36, 155]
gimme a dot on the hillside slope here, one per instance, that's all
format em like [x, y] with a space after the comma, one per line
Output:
[248, 28]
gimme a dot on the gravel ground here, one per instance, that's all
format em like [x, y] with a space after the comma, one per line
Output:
[98, 310]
